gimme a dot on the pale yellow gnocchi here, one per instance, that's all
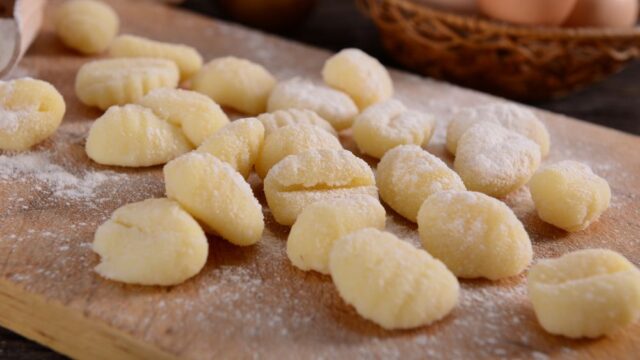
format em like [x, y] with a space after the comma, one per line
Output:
[322, 223]
[30, 111]
[390, 282]
[152, 242]
[87, 26]
[280, 118]
[586, 293]
[217, 195]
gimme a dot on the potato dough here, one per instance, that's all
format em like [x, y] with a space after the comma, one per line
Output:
[474, 235]
[297, 93]
[133, 135]
[385, 125]
[569, 195]
[407, 175]
[322, 223]
[237, 144]
[104, 83]
[291, 140]
[359, 75]
[280, 118]
[152, 242]
[197, 115]
[494, 160]
[188, 60]
[30, 111]
[214, 193]
[390, 282]
[237, 83]
[86, 26]
[586, 293]
[299, 180]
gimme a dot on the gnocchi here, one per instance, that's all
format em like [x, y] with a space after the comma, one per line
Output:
[291, 140]
[299, 180]
[30, 111]
[383, 126]
[390, 282]
[586, 293]
[87, 26]
[152, 242]
[237, 144]
[214, 193]
[474, 235]
[280, 118]
[569, 195]
[104, 83]
[323, 222]
[134, 136]
[237, 83]
[359, 75]
[297, 93]
[197, 115]
[188, 60]
[495, 160]
[407, 175]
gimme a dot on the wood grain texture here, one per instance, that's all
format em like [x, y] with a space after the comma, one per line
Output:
[250, 302]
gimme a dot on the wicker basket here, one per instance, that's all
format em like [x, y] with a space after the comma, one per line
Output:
[514, 61]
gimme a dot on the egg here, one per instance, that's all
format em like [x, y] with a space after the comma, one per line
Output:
[528, 12]
[465, 6]
[604, 13]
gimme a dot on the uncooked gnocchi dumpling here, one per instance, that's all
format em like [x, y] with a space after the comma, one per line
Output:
[30, 111]
[299, 180]
[188, 60]
[152, 242]
[586, 293]
[383, 126]
[408, 174]
[390, 282]
[322, 223]
[238, 144]
[359, 75]
[569, 195]
[134, 136]
[197, 115]
[236, 83]
[513, 117]
[474, 234]
[332, 105]
[217, 195]
[291, 140]
[494, 160]
[104, 83]
[280, 118]
[87, 26]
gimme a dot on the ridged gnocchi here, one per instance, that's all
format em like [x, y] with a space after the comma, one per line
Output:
[30, 111]
[152, 242]
[87, 26]
[299, 180]
[104, 83]
[361, 76]
[298, 93]
[586, 293]
[197, 115]
[134, 136]
[474, 234]
[238, 144]
[569, 195]
[217, 195]
[390, 282]
[323, 222]
[383, 126]
[407, 175]
[280, 118]
[237, 83]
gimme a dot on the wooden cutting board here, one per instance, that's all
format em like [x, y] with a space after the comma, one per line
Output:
[250, 302]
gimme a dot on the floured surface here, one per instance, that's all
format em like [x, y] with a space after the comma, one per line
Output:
[251, 301]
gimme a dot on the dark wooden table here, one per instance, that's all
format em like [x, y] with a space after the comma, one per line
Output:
[336, 24]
